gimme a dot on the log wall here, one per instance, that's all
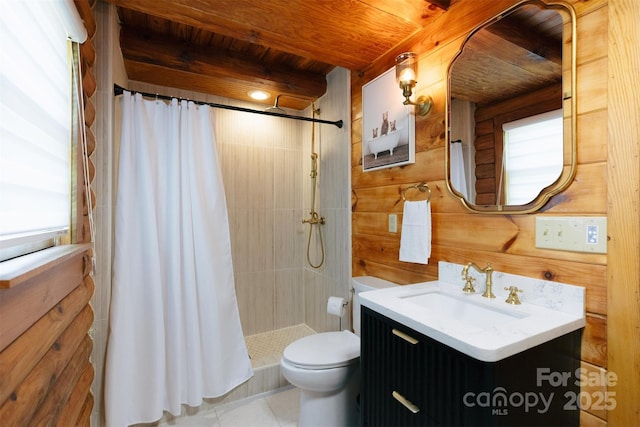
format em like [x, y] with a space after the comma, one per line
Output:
[507, 241]
[45, 316]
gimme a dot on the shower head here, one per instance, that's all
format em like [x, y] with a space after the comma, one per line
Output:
[275, 108]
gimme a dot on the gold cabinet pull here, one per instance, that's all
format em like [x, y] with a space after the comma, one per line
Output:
[404, 336]
[400, 398]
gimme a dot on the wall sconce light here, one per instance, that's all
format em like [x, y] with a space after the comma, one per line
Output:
[406, 72]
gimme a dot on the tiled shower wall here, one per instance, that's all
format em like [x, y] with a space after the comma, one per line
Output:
[261, 162]
[333, 201]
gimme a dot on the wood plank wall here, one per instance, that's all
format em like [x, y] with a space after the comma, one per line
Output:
[45, 372]
[460, 237]
[623, 219]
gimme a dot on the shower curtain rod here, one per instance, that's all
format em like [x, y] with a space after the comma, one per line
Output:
[118, 90]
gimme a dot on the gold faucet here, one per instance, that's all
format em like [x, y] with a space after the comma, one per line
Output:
[488, 271]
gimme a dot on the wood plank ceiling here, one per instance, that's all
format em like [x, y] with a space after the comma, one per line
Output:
[283, 47]
[287, 47]
[521, 51]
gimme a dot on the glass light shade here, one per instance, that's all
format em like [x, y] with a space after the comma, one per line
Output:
[258, 95]
[406, 68]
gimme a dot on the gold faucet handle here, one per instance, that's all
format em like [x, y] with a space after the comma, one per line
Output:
[513, 295]
[468, 285]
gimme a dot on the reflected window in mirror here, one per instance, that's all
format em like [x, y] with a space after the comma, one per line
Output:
[515, 68]
[532, 157]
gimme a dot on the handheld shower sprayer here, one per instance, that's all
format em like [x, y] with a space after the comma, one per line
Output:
[315, 219]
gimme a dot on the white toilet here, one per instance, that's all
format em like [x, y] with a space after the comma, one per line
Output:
[326, 368]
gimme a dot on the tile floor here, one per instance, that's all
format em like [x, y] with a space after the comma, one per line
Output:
[276, 409]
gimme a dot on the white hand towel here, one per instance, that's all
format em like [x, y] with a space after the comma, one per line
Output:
[415, 240]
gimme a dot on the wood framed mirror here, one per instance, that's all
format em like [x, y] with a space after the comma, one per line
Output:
[511, 110]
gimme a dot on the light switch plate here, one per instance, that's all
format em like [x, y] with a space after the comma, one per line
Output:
[393, 223]
[569, 233]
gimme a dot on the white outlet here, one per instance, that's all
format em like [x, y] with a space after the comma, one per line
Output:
[393, 223]
[578, 234]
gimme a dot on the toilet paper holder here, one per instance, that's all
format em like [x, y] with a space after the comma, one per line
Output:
[336, 306]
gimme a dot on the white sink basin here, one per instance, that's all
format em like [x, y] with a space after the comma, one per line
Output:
[463, 310]
[485, 329]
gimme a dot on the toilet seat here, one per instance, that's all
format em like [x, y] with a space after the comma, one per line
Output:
[323, 351]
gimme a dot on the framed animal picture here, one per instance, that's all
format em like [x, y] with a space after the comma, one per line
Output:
[388, 126]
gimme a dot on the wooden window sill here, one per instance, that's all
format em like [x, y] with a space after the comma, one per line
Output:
[15, 271]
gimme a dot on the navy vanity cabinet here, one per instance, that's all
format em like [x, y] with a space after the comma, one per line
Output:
[409, 379]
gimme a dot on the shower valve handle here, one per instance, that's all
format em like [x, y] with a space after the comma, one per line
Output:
[315, 219]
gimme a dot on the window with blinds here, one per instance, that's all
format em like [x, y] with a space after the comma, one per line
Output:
[35, 122]
[532, 156]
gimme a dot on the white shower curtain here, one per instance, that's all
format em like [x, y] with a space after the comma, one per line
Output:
[457, 172]
[175, 334]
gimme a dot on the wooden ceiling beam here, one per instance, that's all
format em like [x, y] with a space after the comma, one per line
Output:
[527, 39]
[158, 75]
[189, 60]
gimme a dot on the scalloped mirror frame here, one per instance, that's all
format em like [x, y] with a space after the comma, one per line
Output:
[568, 103]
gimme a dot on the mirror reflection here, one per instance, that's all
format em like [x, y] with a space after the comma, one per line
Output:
[510, 126]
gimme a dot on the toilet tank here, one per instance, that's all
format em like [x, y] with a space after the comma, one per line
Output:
[362, 284]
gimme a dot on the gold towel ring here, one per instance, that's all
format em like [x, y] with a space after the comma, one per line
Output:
[422, 187]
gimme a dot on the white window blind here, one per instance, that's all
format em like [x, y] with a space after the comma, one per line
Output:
[532, 156]
[35, 118]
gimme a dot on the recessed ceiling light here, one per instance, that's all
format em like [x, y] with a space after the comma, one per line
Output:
[259, 95]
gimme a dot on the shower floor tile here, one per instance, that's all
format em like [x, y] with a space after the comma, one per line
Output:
[266, 348]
